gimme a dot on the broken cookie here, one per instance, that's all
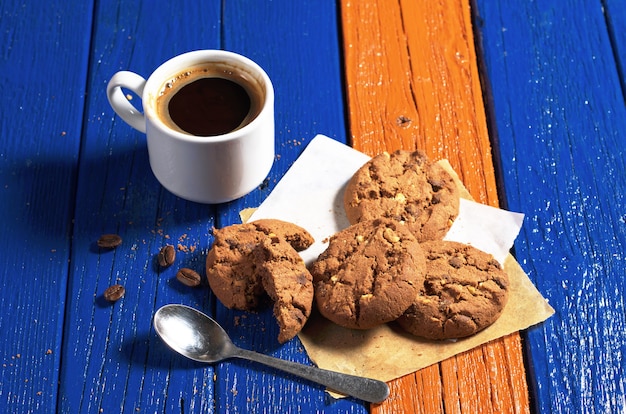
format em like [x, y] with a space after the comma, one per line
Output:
[288, 283]
[231, 268]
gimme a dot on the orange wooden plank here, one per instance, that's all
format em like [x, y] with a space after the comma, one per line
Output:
[413, 82]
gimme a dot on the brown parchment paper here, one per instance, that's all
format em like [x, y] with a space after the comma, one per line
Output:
[310, 195]
[386, 352]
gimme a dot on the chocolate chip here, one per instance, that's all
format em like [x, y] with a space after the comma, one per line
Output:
[456, 262]
[436, 184]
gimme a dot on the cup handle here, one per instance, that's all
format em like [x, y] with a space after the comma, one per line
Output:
[120, 104]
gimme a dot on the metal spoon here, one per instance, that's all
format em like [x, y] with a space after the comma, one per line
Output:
[195, 335]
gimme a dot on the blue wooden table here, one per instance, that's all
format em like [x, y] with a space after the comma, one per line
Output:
[70, 170]
[557, 80]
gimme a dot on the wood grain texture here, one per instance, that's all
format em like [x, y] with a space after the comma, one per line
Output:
[560, 114]
[119, 362]
[71, 170]
[615, 16]
[113, 359]
[413, 82]
[43, 66]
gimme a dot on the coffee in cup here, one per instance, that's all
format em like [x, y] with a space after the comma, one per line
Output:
[209, 100]
[209, 122]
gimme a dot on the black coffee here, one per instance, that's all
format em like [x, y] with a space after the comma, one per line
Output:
[209, 106]
[200, 102]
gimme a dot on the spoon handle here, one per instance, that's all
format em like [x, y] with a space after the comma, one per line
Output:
[366, 389]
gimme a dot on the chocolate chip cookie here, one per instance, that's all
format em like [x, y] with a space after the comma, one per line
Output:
[370, 274]
[231, 268]
[404, 186]
[464, 291]
[288, 283]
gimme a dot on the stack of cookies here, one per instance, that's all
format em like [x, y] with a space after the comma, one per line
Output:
[390, 264]
[401, 206]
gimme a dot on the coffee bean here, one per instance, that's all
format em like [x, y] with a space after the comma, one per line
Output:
[188, 277]
[109, 241]
[166, 255]
[114, 293]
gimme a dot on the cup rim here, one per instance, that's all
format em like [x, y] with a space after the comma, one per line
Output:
[174, 65]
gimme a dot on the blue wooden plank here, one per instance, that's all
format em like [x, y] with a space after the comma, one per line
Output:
[117, 363]
[560, 117]
[43, 60]
[615, 15]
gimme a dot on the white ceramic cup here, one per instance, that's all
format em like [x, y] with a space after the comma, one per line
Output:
[212, 169]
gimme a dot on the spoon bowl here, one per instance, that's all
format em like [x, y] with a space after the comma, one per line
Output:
[196, 336]
[192, 334]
